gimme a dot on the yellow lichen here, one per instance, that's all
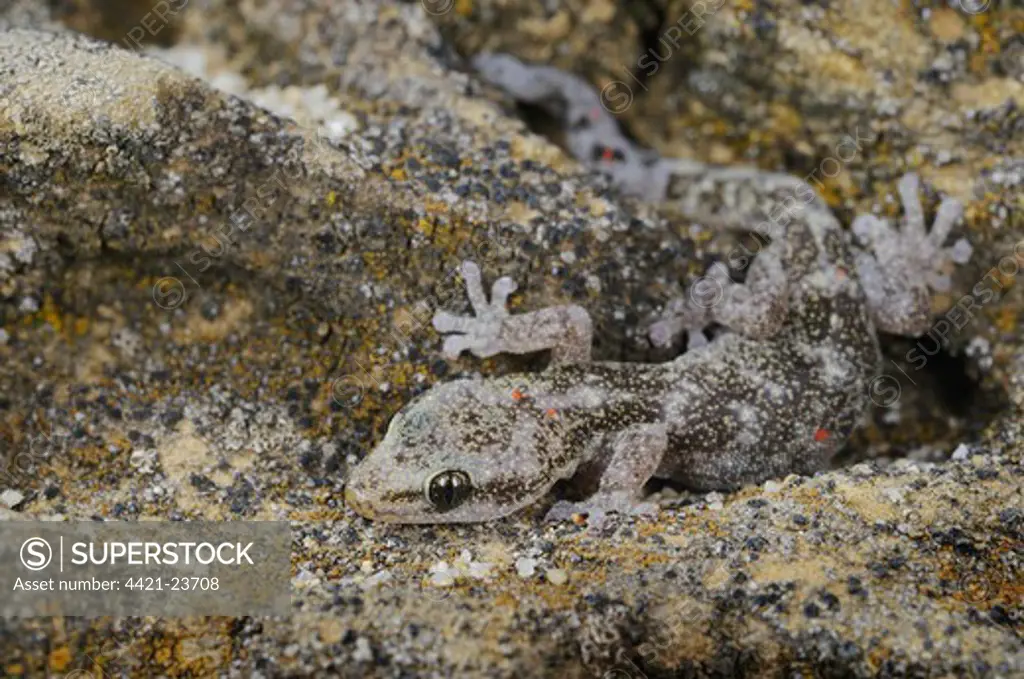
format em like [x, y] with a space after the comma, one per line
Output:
[59, 659]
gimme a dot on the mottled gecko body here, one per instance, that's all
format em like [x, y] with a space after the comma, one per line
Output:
[777, 393]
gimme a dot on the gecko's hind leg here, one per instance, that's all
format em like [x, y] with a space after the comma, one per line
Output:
[901, 266]
[756, 308]
[567, 330]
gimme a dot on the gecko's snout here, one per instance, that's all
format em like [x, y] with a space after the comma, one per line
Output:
[356, 502]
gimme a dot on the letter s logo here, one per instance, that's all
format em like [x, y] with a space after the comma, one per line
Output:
[36, 554]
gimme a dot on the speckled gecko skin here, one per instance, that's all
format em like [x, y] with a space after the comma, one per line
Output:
[777, 393]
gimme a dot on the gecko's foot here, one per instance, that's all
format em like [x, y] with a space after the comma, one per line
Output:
[598, 506]
[692, 313]
[480, 333]
[670, 324]
[904, 264]
[663, 332]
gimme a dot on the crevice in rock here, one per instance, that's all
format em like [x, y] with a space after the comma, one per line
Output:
[651, 31]
[131, 24]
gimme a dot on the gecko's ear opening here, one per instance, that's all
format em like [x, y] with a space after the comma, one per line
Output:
[448, 489]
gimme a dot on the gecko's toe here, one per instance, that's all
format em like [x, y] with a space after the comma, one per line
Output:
[946, 216]
[474, 287]
[446, 322]
[664, 332]
[470, 270]
[696, 339]
[568, 511]
[947, 259]
[598, 507]
[961, 251]
[454, 345]
[501, 289]
[909, 188]
[596, 517]
[682, 315]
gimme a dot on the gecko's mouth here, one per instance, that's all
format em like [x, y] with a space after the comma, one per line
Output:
[352, 500]
[362, 507]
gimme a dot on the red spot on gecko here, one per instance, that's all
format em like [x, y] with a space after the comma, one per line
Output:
[608, 155]
[595, 113]
[841, 272]
[552, 413]
[821, 435]
[517, 395]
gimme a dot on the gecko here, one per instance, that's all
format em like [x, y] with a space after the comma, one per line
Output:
[776, 392]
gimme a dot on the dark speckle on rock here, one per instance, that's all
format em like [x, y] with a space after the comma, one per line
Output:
[241, 495]
[202, 483]
[171, 417]
[310, 459]
[210, 310]
[1000, 616]
[755, 543]
[830, 600]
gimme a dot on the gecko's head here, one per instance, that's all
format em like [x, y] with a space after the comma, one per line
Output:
[461, 452]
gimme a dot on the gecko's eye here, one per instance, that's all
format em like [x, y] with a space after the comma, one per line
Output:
[448, 489]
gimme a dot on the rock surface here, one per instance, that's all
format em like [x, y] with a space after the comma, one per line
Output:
[209, 309]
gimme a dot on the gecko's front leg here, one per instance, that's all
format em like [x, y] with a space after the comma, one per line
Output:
[566, 329]
[636, 453]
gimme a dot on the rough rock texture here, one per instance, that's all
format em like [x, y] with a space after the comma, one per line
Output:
[157, 363]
